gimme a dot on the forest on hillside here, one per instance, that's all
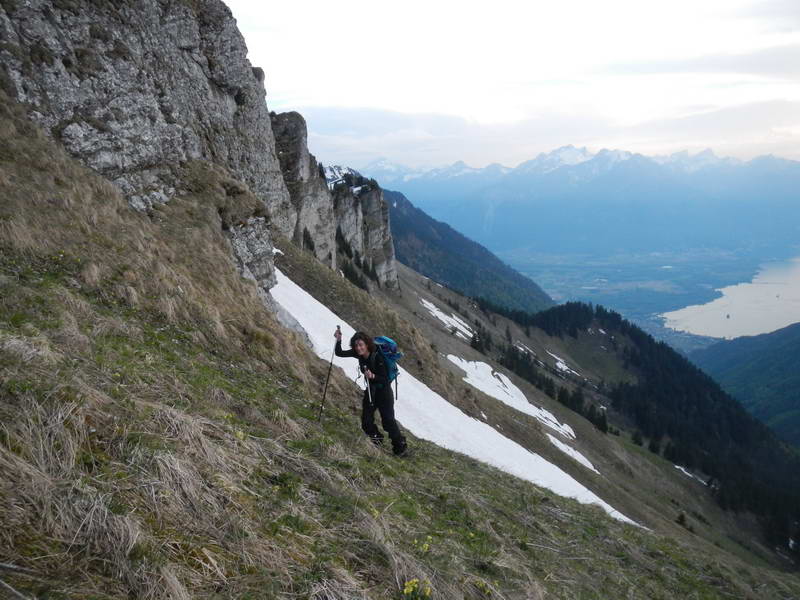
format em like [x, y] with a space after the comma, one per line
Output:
[761, 372]
[689, 419]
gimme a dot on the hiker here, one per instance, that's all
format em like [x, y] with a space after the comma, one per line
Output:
[373, 366]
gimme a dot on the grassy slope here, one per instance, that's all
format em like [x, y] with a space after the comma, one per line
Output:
[158, 438]
[637, 482]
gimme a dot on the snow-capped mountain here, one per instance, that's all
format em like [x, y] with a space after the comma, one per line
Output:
[568, 157]
[336, 174]
[616, 199]
[695, 162]
[545, 162]
[457, 169]
[388, 173]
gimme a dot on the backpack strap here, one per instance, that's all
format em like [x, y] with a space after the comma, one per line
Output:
[372, 363]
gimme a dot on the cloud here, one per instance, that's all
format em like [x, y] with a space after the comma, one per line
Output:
[781, 15]
[781, 62]
[356, 136]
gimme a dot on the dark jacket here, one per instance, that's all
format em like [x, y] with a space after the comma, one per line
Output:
[374, 362]
[378, 395]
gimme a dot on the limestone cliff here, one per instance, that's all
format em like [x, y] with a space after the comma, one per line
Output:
[311, 215]
[138, 90]
[135, 89]
[360, 213]
[362, 217]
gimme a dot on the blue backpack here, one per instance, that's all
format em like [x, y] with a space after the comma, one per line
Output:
[388, 348]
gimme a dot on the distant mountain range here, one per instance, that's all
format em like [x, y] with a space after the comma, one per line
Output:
[389, 173]
[762, 373]
[571, 200]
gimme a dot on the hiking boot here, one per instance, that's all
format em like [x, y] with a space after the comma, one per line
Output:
[377, 440]
[400, 449]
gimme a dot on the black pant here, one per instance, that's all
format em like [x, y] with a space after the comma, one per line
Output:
[383, 400]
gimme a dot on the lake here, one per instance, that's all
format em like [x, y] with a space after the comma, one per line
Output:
[769, 302]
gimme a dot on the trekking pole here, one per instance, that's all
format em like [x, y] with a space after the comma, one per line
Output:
[325, 391]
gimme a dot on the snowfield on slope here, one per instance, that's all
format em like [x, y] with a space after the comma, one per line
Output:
[571, 452]
[462, 329]
[427, 414]
[482, 377]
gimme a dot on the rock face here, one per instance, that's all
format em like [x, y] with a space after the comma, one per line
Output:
[254, 253]
[360, 213]
[136, 88]
[362, 218]
[310, 223]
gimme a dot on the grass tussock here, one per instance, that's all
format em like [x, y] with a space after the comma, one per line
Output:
[158, 433]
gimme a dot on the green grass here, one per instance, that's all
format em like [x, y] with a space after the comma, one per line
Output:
[164, 443]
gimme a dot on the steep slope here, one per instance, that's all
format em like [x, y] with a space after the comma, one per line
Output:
[160, 438]
[436, 250]
[763, 373]
[121, 87]
[160, 435]
[683, 413]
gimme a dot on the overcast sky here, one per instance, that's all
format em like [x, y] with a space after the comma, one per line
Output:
[427, 83]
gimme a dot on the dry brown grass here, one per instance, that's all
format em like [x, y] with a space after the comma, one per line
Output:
[156, 439]
[177, 265]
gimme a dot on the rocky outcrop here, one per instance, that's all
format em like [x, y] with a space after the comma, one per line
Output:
[254, 253]
[362, 219]
[138, 90]
[359, 212]
[311, 219]
[135, 89]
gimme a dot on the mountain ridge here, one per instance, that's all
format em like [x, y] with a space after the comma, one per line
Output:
[761, 372]
[434, 249]
[563, 156]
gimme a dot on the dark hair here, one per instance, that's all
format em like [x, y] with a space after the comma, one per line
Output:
[360, 335]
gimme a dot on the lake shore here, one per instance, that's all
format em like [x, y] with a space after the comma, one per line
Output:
[769, 302]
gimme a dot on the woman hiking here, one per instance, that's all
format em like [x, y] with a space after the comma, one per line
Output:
[378, 393]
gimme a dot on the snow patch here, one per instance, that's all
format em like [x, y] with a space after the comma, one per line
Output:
[571, 452]
[429, 416]
[481, 376]
[524, 348]
[463, 330]
[688, 474]
[276, 251]
[561, 365]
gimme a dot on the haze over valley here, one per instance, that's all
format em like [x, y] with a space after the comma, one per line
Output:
[643, 235]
